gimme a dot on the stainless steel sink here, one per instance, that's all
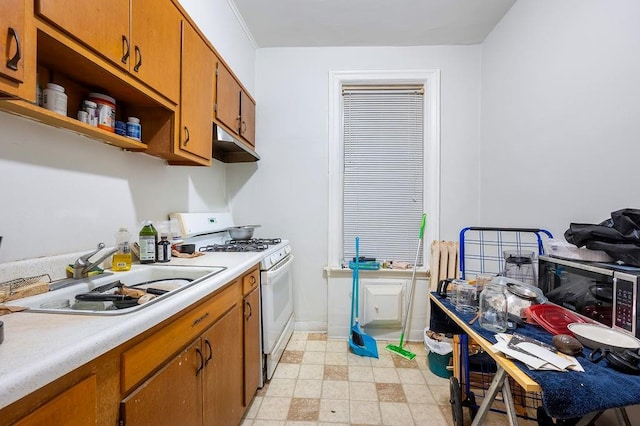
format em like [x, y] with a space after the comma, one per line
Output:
[61, 298]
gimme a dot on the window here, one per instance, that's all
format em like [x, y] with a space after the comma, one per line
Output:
[383, 170]
[384, 151]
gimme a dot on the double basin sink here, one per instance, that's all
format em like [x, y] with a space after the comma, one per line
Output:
[165, 281]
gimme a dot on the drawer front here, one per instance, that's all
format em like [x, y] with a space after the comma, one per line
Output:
[251, 280]
[144, 358]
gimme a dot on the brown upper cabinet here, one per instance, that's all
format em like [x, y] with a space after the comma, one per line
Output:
[234, 109]
[16, 45]
[198, 63]
[188, 138]
[147, 45]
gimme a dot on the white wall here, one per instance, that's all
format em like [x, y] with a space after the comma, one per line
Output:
[292, 128]
[560, 113]
[64, 193]
[217, 20]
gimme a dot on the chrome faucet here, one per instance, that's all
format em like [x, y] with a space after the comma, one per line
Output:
[81, 266]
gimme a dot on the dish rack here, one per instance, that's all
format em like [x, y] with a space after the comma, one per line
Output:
[481, 252]
[23, 287]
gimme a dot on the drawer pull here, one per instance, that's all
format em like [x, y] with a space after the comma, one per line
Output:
[138, 54]
[199, 319]
[252, 279]
[206, 342]
[201, 366]
[125, 49]
[186, 136]
[250, 311]
[13, 62]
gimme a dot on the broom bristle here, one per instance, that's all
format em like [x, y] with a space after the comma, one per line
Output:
[357, 338]
[394, 349]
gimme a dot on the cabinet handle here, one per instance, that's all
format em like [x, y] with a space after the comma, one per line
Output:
[186, 136]
[125, 49]
[252, 279]
[206, 342]
[201, 366]
[250, 311]
[138, 54]
[13, 62]
[243, 127]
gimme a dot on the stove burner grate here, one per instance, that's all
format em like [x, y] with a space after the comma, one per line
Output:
[261, 241]
[255, 244]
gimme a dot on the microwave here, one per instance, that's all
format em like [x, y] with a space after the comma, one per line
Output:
[604, 292]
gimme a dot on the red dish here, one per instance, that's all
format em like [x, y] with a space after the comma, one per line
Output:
[554, 318]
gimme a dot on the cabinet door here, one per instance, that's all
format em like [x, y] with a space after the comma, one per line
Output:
[247, 119]
[170, 397]
[223, 384]
[196, 108]
[252, 347]
[155, 45]
[12, 37]
[228, 98]
[102, 25]
[75, 406]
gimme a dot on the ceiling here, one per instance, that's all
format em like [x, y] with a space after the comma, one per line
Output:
[312, 23]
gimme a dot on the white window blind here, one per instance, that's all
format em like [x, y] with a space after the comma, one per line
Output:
[383, 182]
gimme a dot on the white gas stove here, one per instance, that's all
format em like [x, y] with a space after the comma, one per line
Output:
[208, 232]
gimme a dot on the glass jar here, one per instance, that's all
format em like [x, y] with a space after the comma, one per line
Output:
[465, 297]
[493, 308]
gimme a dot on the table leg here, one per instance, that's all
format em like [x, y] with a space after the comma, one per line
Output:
[621, 415]
[507, 398]
[500, 382]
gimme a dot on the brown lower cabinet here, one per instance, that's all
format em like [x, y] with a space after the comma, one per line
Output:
[252, 347]
[74, 407]
[200, 386]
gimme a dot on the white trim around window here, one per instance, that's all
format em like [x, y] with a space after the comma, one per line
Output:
[431, 81]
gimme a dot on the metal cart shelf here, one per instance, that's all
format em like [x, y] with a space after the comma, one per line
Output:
[481, 252]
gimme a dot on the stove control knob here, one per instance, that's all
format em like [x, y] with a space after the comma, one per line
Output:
[274, 259]
[287, 250]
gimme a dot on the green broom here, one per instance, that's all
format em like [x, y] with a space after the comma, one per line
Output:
[398, 350]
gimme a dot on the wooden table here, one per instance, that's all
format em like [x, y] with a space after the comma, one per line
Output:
[506, 369]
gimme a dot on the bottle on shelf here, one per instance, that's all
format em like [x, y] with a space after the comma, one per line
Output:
[122, 258]
[164, 249]
[148, 241]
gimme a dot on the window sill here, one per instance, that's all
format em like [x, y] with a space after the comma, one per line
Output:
[331, 271]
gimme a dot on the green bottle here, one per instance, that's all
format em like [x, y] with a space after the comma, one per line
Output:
[148, 241]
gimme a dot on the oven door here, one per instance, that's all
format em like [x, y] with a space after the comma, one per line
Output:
[277, 302]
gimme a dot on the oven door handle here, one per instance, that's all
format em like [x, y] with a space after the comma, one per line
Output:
[274, 273]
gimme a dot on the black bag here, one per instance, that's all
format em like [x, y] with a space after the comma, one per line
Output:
[618, 236]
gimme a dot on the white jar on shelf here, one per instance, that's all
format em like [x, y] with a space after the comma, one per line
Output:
[54, 99]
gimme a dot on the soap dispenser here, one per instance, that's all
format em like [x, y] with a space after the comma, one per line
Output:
[122, 258]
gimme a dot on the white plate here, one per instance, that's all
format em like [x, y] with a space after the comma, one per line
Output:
[597, 336]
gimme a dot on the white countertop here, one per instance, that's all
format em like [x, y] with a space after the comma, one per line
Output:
[39, 348]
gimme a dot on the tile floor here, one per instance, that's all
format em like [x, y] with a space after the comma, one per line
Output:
[320, 382]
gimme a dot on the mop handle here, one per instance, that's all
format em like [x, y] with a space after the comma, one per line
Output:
[356, 287]
[413, 275]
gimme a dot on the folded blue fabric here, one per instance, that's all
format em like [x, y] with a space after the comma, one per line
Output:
[572, 394]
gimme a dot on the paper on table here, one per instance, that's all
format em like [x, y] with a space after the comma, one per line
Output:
[532, 361]
[545, 355]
